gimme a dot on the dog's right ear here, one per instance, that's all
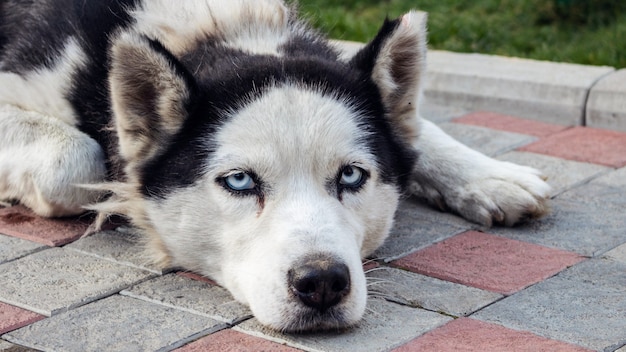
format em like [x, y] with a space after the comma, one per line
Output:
[396, 61]
[151, 95]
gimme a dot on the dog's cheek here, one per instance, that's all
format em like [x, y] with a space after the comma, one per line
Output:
[377, 209]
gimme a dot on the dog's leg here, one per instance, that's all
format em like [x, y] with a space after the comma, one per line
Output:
[483, 190]
[42, 160]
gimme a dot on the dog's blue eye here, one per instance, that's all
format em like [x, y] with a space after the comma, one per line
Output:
[352, 177]
[240, 182]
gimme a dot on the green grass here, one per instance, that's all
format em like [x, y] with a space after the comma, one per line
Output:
[591, 32]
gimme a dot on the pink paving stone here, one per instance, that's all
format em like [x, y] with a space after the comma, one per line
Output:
[510, 124]
[233, 341]
[197, 277]
[488, 262]
[465, 334]
[591, 145]
[20, 222]
[13, 318]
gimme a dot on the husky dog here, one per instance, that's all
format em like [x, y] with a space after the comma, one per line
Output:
[242, 144]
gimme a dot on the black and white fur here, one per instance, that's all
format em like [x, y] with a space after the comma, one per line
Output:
[238, 140]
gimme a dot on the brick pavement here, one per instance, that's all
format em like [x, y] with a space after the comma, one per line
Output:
[440, 283]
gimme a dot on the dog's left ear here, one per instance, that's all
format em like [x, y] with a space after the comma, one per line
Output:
[396, 62]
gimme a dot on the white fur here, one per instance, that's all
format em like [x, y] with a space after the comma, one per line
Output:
[44, 90]
[258, 26]
[42, 160]
[294, 141]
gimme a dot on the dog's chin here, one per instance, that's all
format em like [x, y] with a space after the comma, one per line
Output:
[306, 320]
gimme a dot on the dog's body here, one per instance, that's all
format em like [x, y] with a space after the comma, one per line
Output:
[238, 140]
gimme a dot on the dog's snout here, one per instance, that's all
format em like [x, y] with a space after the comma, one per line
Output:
[320, 283]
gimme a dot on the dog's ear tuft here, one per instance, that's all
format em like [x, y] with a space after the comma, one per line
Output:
[151, 94]
[396, 62]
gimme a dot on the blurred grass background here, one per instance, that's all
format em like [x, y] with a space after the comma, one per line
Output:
[591, 32]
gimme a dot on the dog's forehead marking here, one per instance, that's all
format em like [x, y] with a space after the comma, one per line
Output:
[293, 128]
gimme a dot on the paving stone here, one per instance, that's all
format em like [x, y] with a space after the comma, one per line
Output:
[12, 317]
[417, 226]
[57, 279]
[116, 323]
[584, 305]
[234, 341]
[562, 174]
[385, 326]
[616, 178]
[606, 107]
[623, 349]
[488, 262]
[466, 334]
[546, 91]
[617, 254]
[440, 113]
[197, 277]
[510, 123]
[427, 292]
[485, 140]
[121, 247]
[574, 226]
[9, 347]
[20, 222]
[12, 248]
[597, 194]
[194, 296]
[584, 144]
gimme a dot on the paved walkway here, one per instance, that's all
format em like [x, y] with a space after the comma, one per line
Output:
[438, 284]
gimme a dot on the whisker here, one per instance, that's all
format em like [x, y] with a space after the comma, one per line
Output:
[375, 269]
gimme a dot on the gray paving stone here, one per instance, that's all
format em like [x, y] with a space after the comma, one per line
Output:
[606, 106]
[429, 293]
[418, 226]
[585, 305]
[623, 349]
[12, 248]
[122, 247]
[58, 279]
[386, 325]
[441, 113]
[116, 323]
[191, 295]
[487, 141]
[617, 254]
[616, 178]
[9, 347]
[562, 174]
[579, 227]
[597, 194]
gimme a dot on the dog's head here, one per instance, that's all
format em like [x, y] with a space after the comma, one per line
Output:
[272, 175]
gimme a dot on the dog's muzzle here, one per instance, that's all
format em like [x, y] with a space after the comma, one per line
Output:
[320, 282]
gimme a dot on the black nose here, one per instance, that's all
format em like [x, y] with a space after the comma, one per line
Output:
[320, 283]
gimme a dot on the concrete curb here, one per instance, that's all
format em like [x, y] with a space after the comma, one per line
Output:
[606, 107]
[560, 93]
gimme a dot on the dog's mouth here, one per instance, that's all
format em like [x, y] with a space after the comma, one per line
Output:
[311, 320]
[317, 292]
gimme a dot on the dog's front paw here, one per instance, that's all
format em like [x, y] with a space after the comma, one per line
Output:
[493, 192]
